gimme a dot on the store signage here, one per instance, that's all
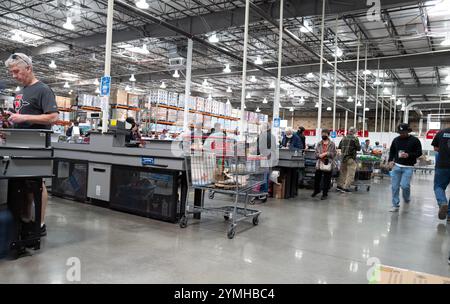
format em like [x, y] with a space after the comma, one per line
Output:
[366, 133]
[105, 86]
[146, 161]
[431, 134]
[333, 134]
[310, 132]
[276, 122]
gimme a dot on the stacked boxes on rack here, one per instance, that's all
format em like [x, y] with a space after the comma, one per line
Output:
[172, 99]
[159, 97]
[200, 104]
[171, 115]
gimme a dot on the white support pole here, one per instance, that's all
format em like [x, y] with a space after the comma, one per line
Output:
[365, 92]
[346, 122]
[109, 28]
[394, 109]
[244, 71]
[390, 115]
[319, 112]
[187, 89]
[276, 103]
[357, 82]
[376, 102]
[335, 72]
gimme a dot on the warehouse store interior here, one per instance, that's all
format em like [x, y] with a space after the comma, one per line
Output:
[208, 141]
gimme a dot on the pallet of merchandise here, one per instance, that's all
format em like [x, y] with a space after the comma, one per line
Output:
[200, 104]
[161, 114]
[162, 97]
[228, 110]
[181, 98]
[208, 105]
[236, 113]
[207, 122]
[172, 115]
[198, 118]
[221, 108]
[180, 117]
[215, 107]
[172, 99]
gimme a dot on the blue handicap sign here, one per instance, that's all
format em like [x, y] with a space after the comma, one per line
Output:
[333, 134]
[148, 161]
[276, 122]
[105, 86]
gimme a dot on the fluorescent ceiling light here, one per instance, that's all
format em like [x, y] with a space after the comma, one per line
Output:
[163, 85]
[227, 68]
[142, 4]
[21, 36]
[310, 75]
[366, 109]
[258, 60]
[258, 110]
[253, 79]
[329, 109]
[438, 8]
[350, 99]
[66, 85]
[213, 38]
[176, 74]
[265, 100]
[367, 72]
[17, 89]
[132, 78]
[340, 92]
[68, 25]
[229, 90]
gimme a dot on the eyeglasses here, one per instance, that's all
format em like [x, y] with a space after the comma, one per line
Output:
[16, 56]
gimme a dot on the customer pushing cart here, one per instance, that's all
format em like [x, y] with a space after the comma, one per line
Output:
[365, 166]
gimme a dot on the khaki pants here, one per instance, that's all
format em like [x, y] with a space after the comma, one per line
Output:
[347, 173]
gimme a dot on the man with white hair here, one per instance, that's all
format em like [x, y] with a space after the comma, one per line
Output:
[34, 108]
[349, 145]
[291, 140]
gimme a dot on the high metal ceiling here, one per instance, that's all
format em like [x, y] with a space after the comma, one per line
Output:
[404, 46]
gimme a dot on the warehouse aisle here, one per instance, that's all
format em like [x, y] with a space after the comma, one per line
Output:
[301, 240]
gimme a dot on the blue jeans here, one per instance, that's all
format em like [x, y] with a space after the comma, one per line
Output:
[441, 181]
[401, 177]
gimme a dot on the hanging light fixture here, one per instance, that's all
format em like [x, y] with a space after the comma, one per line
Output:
[163, 85]
[272, 85]
[97, 90]
[210, 97]
[366, 109]
[18, 89]
[265, 100]
[68, 25]
[399, 102]
[377, 82]
[213, 38]
[70, 92]
[127, 88]
[258, 110]
[145, 49]
[253, 79]
[367, 72]
[228, 102]
[205, 83]
[245, 107]
[248, 95]
[392, 97]
[316, 105]
[447, 78]
[340, 92]
[142, 4]
[310, 75]
[132, 78]
[329, 109]
[306, 28]
[227, 68]
[326, 84]
[66, 85]
[338, 52]
[258, 60]
[96, 82]
[291, 109]
[52, 65]
[358, 104]
[229, 90]
[350, 99]
[302, 99]
[448, 88]
[386, 91]
[176, 74]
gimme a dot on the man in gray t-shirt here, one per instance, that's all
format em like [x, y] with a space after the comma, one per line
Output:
[35, 108]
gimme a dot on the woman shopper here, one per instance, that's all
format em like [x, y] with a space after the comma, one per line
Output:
[325, 154]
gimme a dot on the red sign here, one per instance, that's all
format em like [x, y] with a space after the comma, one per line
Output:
[310, 132]
[431, 134]
[366, 133]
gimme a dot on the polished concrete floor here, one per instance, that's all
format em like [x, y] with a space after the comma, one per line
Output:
[300, 240]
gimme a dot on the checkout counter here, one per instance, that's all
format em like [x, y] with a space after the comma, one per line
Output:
[290, 164]
[147, 181]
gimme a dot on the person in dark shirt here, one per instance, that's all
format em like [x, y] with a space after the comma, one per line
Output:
[300, 133]
[34, 108]
[441, 144]
[291, 140]
[403, 154]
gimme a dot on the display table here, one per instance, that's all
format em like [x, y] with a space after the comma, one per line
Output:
[289, 164]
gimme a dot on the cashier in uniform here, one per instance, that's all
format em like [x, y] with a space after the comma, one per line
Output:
[34, 108]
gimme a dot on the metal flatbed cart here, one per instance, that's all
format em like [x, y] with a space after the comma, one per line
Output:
[26, 157]
[226, 174]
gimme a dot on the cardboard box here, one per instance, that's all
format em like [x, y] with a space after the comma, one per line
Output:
[278, 191]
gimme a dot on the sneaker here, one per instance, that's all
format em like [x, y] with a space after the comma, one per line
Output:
[43, 230]
[394, 209]
[443, 210]
[340, 189]
[314, 194]
[347, 190]
[324, 197]
[407, 202]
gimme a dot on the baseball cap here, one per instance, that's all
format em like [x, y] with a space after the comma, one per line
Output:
[403, 127]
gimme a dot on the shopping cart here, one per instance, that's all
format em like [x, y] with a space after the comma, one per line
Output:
[227, 174]
[365, 166]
